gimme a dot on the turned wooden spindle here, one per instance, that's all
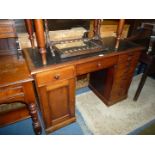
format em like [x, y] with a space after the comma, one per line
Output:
[97, 26]
[35, 120]
[119, 32]
[39, 29]
[29, 28]
[48, 41]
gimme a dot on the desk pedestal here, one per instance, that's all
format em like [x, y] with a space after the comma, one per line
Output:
[110, 77]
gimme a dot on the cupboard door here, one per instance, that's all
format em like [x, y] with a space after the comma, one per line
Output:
[58, 103]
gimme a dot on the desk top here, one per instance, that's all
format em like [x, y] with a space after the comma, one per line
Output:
[33, 56]
[13, 70]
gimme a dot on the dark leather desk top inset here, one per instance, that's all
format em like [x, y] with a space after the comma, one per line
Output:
[34, 57]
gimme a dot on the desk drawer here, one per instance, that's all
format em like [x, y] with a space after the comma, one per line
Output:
[10, 91]
[128, 57]
[127, 67]
[55, 75]
[95, 65]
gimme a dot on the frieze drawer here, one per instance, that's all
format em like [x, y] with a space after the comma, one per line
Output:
[9, 91]
[95, 65]
[55, 75]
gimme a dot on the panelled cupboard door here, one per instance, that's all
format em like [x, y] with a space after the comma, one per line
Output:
[57, 102]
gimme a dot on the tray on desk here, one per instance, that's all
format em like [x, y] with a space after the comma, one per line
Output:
[76, 47]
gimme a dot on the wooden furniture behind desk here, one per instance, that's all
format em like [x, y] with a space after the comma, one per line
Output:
[8, 38]
[16, 83]
[16, 86]
[110, 77]
[149, 60]
[143, 38]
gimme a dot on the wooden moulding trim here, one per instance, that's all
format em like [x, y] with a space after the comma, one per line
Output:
[62, 124]
[14, 116]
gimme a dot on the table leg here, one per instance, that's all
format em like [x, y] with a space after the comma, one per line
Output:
[29, 28]
[119, 32]
[39, 31]
[35, 120]
[142, 82]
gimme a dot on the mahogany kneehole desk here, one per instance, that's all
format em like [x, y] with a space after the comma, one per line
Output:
[110, 71]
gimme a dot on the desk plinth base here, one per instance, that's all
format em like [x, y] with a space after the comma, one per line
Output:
[106, 101]
[60, 125]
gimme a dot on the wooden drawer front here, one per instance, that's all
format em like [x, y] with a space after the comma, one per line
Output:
[127, 63]
[127, 67]
[120, 85]
[7, 29]
[123, 58]
[125, 70]
[124, 74]
[122, 71]
[10, 91]
[55, 75]
[95, 65]
[133, 64]
[128, 57]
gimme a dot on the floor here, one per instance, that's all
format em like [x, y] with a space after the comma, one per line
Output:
[25, 128]
[146, 129]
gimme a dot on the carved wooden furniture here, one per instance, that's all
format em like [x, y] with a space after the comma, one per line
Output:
[108, 28]
[56, 90]
[29, 27]
[39, 32]
[149, 60]
[8, 38]
[16, 85]
[97, 27]
[119, 32]
[40, 39]
[110, 71]
[143, 37]
[15, 81]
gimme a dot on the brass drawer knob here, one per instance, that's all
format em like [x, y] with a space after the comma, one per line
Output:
[57, 76]
[99, 64]
[129, 58]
